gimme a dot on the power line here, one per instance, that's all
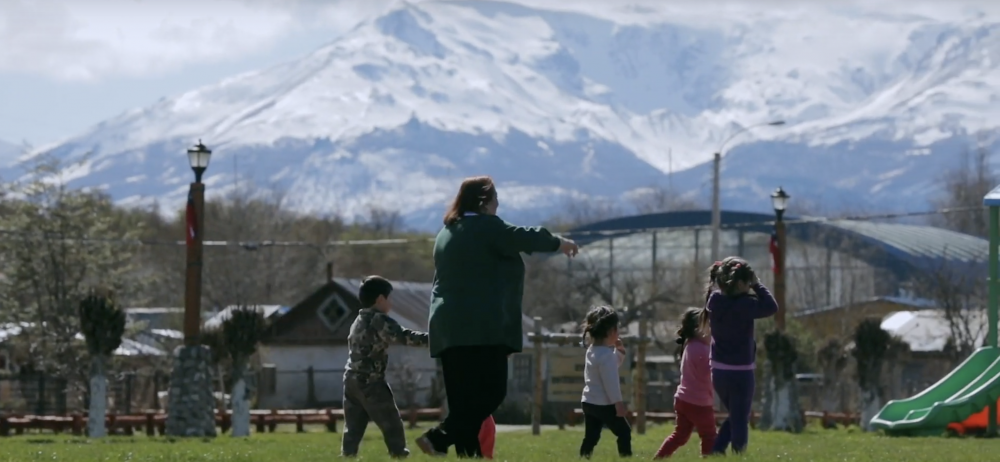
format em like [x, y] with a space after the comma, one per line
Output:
[253, 245]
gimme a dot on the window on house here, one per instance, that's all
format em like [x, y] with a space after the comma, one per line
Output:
[333, 311]
[523, 373]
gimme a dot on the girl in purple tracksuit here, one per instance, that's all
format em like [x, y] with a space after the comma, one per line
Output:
[734, 299]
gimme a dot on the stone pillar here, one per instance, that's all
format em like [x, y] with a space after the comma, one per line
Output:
[191, 406]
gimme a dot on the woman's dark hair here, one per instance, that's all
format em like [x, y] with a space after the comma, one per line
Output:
[473, 195]
[726, 274]
[692, 323]
[599, 322]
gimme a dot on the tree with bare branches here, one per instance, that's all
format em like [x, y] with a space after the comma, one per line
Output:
[965, 185]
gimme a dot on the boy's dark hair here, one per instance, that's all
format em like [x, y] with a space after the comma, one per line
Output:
[473, 195]
[371, 288]
[726, 274]
[599, 322]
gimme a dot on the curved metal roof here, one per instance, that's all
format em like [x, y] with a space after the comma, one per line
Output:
[904, 249]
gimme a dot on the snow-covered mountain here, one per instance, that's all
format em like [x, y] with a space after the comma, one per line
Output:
[558, 104]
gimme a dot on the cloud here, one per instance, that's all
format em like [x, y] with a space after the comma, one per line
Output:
[94, 39]
[88, 40]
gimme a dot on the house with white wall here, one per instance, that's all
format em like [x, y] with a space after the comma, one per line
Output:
[303, 354]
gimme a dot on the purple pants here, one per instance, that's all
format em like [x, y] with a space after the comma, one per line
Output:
[735, 390]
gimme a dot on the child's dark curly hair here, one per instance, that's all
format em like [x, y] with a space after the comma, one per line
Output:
[693, 322]
[726, 274]
[600, 321]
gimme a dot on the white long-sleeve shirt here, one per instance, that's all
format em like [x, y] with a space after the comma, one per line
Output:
[600, 376]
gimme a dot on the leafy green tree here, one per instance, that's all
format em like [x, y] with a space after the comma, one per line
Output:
[58, 243]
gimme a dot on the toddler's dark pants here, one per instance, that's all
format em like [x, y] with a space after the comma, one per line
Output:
[595, 419]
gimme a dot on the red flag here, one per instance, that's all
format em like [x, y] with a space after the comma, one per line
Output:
[191, 228]
[775, 251]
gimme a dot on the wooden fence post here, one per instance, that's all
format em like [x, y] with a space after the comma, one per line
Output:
[40, 406]
[129, 379]
[638, 386]
[536, 409]
[310, 387]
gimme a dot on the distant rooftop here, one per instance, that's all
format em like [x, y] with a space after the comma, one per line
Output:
[902, 249]
[911, 302]
[929, 330]
[269, 311]
[992, 198]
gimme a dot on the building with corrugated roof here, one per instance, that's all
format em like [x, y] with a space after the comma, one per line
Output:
[828, 262]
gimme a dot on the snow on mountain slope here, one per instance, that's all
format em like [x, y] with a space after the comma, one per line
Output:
[558, 104]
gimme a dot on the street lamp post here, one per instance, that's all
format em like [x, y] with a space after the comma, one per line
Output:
[191, 405]
[198, 157]
[779, 199]
[716, 168]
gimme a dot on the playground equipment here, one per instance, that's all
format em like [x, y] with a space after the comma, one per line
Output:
[974, 386]
[974, 425]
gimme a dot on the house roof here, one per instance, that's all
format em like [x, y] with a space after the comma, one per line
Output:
[929, 330]
[128, 347]
[153, 311]
[992, 198]
[411, 303]
[269, 312]
[155, 318]
[910, 302]
[131, 347]
[902, 249]
[410, 308]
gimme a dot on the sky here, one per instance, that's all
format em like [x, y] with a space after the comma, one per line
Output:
[74, 63]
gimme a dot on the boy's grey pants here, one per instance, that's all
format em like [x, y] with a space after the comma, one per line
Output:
[371, 402]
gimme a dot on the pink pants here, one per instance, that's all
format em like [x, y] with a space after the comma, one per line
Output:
[488, 437]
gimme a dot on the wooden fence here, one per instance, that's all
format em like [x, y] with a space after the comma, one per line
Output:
[154, 422]
[639, 342]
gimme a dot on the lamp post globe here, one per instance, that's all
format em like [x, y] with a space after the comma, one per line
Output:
[198, 157]
[779, 199]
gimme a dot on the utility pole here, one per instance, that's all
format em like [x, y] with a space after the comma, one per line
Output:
[716, 168]
[716, 210]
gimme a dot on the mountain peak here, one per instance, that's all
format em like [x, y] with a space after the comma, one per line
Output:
[405, 23]
[561, 104]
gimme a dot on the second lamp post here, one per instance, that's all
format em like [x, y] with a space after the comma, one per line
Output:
[198, 157]
[779, 199]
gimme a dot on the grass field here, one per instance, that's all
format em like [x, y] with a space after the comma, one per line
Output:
[814, 445]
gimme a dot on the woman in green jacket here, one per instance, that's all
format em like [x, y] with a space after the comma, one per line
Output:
[475, 314]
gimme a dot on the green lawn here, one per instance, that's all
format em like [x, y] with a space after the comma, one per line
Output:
[814, 445]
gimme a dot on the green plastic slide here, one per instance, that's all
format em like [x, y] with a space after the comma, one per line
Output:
[968, 389]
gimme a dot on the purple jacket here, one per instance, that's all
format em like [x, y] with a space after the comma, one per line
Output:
[732, 322]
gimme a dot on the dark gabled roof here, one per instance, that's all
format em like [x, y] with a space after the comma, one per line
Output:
[410, 308]
[902, 249]
[410, 301]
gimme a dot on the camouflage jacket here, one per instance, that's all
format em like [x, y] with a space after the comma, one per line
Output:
[371, 334]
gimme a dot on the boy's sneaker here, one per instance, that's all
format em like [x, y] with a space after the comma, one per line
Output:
[425, 444]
